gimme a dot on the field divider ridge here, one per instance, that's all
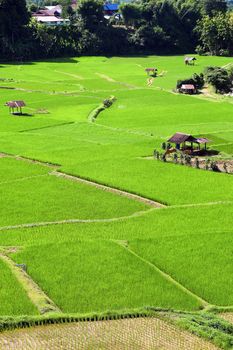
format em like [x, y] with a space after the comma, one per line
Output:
[22, 179]
[100, 108]
[169, 278]
[75, 221]
[37, 296]
[47, 127]
[130, 195]
[191, 205]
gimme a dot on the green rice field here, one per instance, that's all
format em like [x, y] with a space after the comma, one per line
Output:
[93, 248]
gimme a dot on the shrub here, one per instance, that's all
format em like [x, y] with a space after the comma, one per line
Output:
[219, 78]
[196, 80]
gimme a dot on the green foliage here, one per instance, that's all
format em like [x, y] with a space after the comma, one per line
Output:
[208, 326]
[216, 34]
[211, 7]
[219, 78]
[91, 13]
[13, 19]
[131, 13]
[154, 26]
[197, 80]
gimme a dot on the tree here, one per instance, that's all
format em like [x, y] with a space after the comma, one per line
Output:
[91, 14]
[216, 34]
[14, 17]
[67, 10]
[131, 13]
[197, 80]
[211, 7]
[219, 78]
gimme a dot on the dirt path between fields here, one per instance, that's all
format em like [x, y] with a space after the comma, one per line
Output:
[227, 316]
[126, 334]
[120, 218]
[79, 77]
[106, 77]
[111, 80]
[74, 221]
[37, 296]
[136, 197]
[166, 276]
[30, 160]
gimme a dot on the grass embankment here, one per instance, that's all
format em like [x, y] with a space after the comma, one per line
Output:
[14, 300]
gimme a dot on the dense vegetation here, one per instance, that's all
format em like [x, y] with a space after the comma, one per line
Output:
[172, 26]
[218, 77]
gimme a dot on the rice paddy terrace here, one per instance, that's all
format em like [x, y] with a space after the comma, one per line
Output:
[91, 224]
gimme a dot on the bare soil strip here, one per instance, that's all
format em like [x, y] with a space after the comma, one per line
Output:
[70, 75]
[169, 278]
[106, 77]
[138, 198]
[43, 303]
[227, 316]
[198, 204]
[227, 65]
[109, 79]
[126, 334]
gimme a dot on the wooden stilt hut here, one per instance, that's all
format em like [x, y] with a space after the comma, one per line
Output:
[151, 70]
[185, 142]
[15, 105]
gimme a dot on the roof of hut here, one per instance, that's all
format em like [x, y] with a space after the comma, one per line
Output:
[180, 137]
[188, 87]
[15, 104]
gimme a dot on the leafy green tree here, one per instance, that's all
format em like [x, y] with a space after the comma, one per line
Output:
[131, 13]
[216, 34]
[211, 7]
[91, 14]
[67, 10]
[197, 80]
[219, 78]
[14, 17]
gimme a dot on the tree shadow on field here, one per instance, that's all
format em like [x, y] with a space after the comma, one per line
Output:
[29, 63]
[59, 60]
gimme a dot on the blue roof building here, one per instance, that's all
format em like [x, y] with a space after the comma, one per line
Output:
[110, 9]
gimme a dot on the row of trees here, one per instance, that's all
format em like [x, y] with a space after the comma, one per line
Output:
[168, 26]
